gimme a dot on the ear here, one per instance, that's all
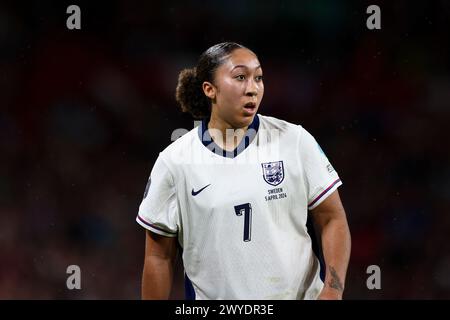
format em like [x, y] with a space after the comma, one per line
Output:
[209, 90]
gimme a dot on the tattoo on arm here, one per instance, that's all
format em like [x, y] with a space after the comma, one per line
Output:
[335, 282]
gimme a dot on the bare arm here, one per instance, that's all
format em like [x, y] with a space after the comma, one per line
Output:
[157, 276]
[331, 224]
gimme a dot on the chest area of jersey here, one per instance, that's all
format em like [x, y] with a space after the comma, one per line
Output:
[215, 186]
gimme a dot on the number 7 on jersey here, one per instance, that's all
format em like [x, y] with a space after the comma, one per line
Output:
[245, 209]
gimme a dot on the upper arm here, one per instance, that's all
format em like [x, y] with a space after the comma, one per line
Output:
[320, 179]
[329, 209]
[159, 211]
[160, 246]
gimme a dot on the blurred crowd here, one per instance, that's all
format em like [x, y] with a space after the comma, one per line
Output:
[84, 114]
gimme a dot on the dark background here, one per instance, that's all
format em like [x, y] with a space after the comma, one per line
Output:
[84, 114]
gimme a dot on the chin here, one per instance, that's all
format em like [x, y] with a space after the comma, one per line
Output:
[244, 121]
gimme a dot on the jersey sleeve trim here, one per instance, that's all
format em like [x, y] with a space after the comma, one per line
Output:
[325, 193]
[156, 229]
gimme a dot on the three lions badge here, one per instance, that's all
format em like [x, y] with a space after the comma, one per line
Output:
[273, 172]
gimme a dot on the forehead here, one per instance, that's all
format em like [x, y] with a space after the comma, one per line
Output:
[243, 57]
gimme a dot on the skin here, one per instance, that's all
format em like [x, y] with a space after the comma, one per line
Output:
[330, 222]
[157, 276]
[237, 81]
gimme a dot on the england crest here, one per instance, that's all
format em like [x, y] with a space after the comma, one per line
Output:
[273, 172]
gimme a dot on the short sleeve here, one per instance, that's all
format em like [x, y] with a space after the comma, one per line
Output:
[158, 210]
[321, 179]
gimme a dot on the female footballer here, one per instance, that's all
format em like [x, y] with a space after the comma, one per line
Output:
[234, 195]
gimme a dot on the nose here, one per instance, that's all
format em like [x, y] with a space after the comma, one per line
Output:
[251, 88]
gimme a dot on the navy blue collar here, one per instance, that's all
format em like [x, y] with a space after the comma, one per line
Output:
[209, 143]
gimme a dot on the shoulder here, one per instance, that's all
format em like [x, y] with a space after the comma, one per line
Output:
[289, 133]
[179, 148]
[272, 122]
[283, 127]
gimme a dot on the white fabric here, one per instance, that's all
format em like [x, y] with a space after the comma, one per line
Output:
[276, 261]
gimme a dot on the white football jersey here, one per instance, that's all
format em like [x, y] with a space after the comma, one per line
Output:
[240, 217]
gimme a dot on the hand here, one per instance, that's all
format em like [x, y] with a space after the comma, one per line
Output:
[328, 293]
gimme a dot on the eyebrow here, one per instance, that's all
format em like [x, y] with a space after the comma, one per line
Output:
[243, 66]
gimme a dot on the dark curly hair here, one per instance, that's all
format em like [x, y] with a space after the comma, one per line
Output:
[189, 93]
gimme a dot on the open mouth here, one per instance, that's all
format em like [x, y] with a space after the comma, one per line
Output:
[250, 105]
[249, 108]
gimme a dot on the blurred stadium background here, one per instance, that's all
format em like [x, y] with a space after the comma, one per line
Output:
[85, 113]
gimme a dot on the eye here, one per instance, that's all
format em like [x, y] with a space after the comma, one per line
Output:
[240, 77]
[259, 78]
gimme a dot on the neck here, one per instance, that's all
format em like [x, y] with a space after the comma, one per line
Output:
[224, 134]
